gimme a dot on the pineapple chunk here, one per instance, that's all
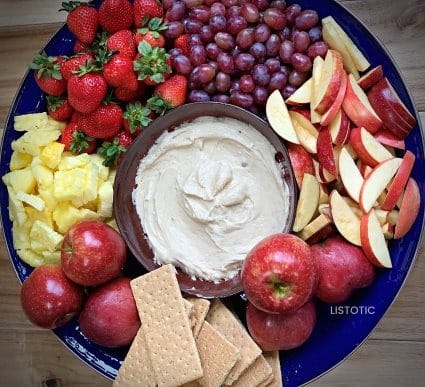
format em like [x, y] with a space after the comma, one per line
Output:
[33, 200]
[21, 235]
[51, 256]
[53, 124]
[65, 215]
[16, 208]
[51, 154]
[90, 189]
[69, 185]
[32, 121]
[44, 216]
[103, 170]
[112, 174]
[26, 147]
[44, 238]
[105, 198]
[43, 175]
[31, 142]
[31, 257]
[21, 180]
[70, 162]
[19, 160]
[47, 194]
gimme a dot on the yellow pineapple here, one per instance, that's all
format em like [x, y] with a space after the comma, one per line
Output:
[51, 256]
[21, 235]
[44, 238]
[103, 170]
[53, 124]
[92, 177]
[33, 200]
[19, 160]
[51, 155]
[69, 161]
[30, 257]
[105, 198]
[69, 185]
[32, 121]
[16, 208]
[42, 174]
[21, 180]
[65, 215]
[45, 216]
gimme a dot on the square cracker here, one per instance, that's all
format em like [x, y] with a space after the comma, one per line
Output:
[218, 356]
[169, 338]
[136, 369]
[199, 312]
[222, 319]
[256, 374]
[274, 360]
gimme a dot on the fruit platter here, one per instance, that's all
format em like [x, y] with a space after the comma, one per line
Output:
[226, 192]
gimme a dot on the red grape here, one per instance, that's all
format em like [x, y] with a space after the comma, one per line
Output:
[197, 55]
[261, 32]
[192, 26]
[301, 41]
[212, 51]
[288, 90]
[292, 12]
[277, 81]
[301, 62]
[210, 88]
[240, 99]
[274, 18]
[260, 75]
[258, 51]
[195, 40]
[182, 64]
[306, 19]
[225, 62]
[174, 29]
[260, 95]
[261, 4]
[198, 96]
[273, 45]
[176, 11]
[224, 40]
[273, 65]
[223, 98]
[217, 23]
[192, 3]
[250, 12]
[279, 4]
[222, 82]
[201, 13]
[218, 9]
[245, 38]
[234, 10]
[244, 62]
[206, 73]
[319, 48]
[236, 24]
[286, 50]
[246, 83]
[315, 34]
[206, 34]
[297, 78]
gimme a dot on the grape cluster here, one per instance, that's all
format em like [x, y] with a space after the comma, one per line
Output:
[240, 51]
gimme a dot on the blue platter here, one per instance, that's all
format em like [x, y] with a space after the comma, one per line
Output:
[336, 334]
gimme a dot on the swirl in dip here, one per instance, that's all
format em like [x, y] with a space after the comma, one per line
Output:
[206, 193]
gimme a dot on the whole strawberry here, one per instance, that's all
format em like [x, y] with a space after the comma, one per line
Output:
[182, 42]
[84, 120]
[87, 89]
[126, 95]
[113, 149]
[71, 65]
[47, 74]
[118, 72]
[136, 117]
[122, 41]
[168, 95]
[59, 108]
[151, 32]
[152, 64]
[116, 15]
[107, 121]
[82, 20]
[146, 8]
[76, 141]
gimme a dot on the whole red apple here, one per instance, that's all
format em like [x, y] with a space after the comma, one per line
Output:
[342, 268]
[49, 298]
[273, 332]
[92, 253]
[279, 274]
[109, 317]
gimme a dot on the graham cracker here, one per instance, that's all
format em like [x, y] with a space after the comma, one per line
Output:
[169, 338]
[256, 374]
[274, 360]
[222, 319]
[136, 369]
[218, 356]
[199, 312]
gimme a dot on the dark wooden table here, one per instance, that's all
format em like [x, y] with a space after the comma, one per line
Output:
[394, 353]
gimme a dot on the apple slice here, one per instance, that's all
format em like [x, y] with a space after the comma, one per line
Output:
[367, 148]
[340, 128]
[306, 132]
[322, 174]
[409, 209]
[358, 107]
[350, 175]
[399, 182]
[325, 153]
[360, 61]
[381, 215]
[388, 231]
[324, 194]
[386, 137]
[301, 162]
[377, 181]
[392, 216]
[367, 80]
[302, 95]
[316, 226]
[318, 63]
[330, 82]
[325, 209]
[373, 241]
[308, 201]
[333, 39]
[330, 114]
[344, 218]
[278, 117]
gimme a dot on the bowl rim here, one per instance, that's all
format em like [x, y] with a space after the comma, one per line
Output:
[126, 173]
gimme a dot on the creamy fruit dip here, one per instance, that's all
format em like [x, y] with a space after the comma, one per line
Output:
[206, 193]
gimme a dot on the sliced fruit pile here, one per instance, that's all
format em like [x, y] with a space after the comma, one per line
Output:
[345, 134]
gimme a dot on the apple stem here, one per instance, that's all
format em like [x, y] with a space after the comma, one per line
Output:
[280, 289]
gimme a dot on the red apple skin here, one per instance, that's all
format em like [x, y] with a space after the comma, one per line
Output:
[409, 209]
[325, 154]
[371, 77]
[109, 317]
[342, 268]
[279, 274]
[92, 253]
[49, 298]
[273, 332]
[330, 114]
[301, 162]
[386, 137]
